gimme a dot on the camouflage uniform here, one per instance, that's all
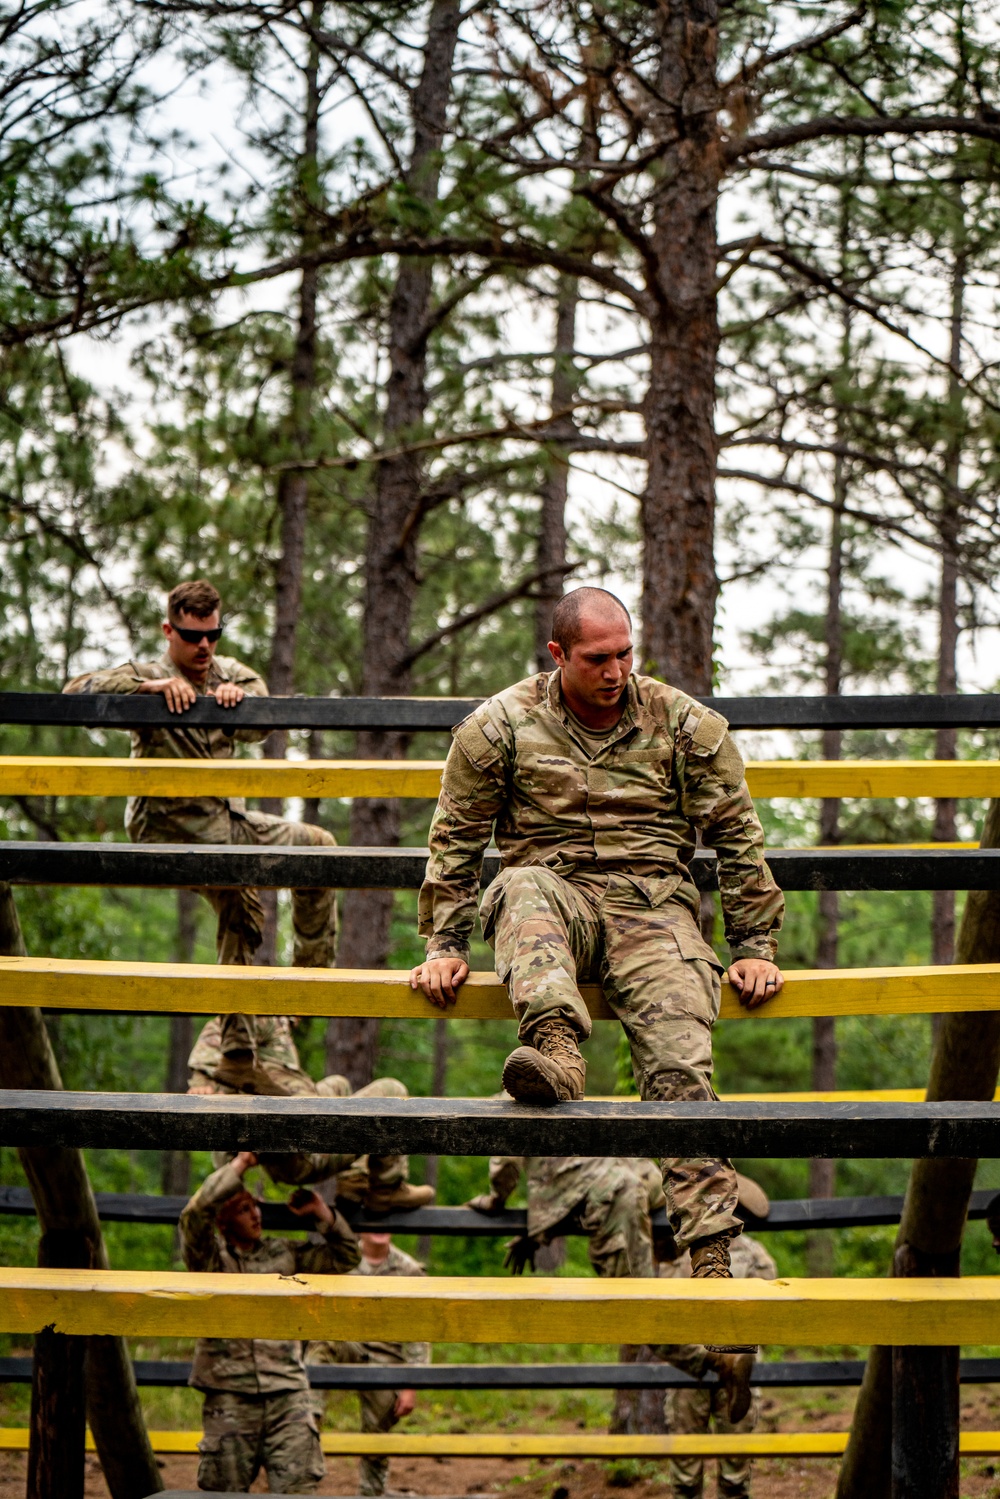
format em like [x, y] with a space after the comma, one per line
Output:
[699, 1410]
[378, 1407]
[595, 839]
[258, 1410]
[604, 1196]
[279, 1056]
[217, 819]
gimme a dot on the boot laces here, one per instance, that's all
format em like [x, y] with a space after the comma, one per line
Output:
[557, 1040]
[711, 1260]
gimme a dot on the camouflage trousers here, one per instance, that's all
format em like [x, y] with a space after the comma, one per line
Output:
[615, 1219]
[355, 1174]
[702, 1410]
[245, 1433]
[240, 914]
[550, 934]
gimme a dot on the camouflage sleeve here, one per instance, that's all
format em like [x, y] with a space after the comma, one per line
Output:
[127, 678]
[337, 1254]
[473, 789]
[714, 796]
[198, 1235]
[505, 1173]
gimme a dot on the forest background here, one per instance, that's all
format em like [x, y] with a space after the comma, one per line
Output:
[395, 320]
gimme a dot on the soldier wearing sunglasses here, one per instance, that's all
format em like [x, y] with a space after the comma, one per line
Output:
[189, 668]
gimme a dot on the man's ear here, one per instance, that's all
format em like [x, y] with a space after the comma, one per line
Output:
[165, 627]
[557, 653]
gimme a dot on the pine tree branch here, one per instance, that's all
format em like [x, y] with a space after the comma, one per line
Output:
[473, 616]
[839, 127]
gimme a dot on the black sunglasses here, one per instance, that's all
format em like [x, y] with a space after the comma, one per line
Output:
[194, 637]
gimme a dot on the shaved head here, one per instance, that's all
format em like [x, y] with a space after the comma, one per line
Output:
[575, 611]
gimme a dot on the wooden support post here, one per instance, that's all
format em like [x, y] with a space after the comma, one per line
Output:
[58, 1421]
[925, 1404]
[65, 1205]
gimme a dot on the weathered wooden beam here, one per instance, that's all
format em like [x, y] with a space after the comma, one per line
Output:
[487, 1309]
[98, 775]
[482, 1126]
[173, 864]
[789, 1214]
[793, 1374]
[415, 714]
[208, 989]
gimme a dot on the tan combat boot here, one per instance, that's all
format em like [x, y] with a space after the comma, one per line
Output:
[734, 1370]
[550, 1070]
[401, 1198]
[710, 1261]
[239, 1072]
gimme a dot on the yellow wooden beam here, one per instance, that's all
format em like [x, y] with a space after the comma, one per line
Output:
[562, 1444]
[208, 989]
[446, 1309]
[57, 775]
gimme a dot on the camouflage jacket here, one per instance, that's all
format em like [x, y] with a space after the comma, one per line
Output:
[518, 769]
[163, 819]
[748, 1260]
[397, 1262]
[557, 1184]
[253, 1366]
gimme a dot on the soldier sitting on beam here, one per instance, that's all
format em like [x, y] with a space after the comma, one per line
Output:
[597, 783]
[189, 668]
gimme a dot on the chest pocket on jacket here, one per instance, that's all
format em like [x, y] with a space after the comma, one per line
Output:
[549, 778]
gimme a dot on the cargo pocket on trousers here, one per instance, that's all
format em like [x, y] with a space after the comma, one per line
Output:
[489, 914]
[695, 950]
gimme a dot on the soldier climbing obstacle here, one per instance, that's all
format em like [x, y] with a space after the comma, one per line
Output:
[189, 668]
[596, 783]
[258, 1410]
[380, 1182]
[610, 1199]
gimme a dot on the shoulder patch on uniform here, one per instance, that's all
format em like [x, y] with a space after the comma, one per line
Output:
[707, 731]
[473, 739]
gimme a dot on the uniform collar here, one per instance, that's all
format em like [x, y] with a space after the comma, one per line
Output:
[633, 704]
[215, 674]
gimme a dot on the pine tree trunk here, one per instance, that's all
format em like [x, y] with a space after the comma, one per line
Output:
[391, 573]
[943, 921]
[293, 485]
[823, 1171]
[964, 1065]
[555, 489]
[66, 1209]
[678, 507]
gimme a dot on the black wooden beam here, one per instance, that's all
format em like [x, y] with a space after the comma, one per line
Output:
[172, 864]
[790, 1214]
[481, 1126]
[413, 715]
[791, 1374]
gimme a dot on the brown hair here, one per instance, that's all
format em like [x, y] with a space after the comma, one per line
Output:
[566, 616]
[232, 1204]
[199, 598]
